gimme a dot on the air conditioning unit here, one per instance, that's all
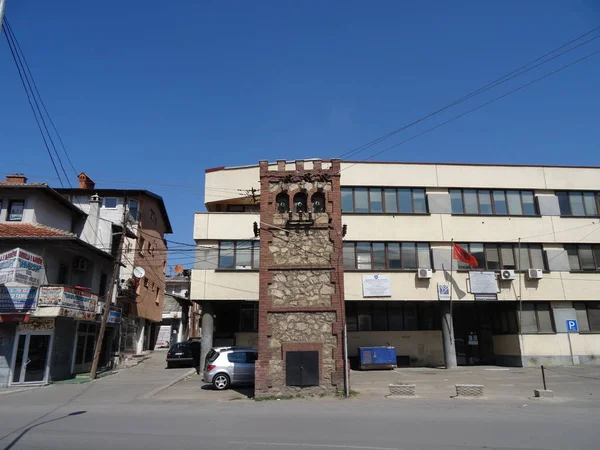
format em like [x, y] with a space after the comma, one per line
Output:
[534, 274]
[80, 264]
[507, 275]
[424, 273]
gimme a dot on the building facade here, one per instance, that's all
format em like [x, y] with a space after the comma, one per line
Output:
[140, 298]
[53, 285]
[180, 316]
[534, 231]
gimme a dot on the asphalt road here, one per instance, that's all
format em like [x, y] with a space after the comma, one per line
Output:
[292, 424]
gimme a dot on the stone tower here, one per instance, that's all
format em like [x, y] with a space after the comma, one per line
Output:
[301, 294]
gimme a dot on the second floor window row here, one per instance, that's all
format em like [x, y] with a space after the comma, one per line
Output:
[492, 202]
[386, 255]
[383, 200]
[505, 256]
[578, 204]
[583, 257]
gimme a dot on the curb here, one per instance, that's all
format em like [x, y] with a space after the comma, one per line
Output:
[168, 385]
[19, 390]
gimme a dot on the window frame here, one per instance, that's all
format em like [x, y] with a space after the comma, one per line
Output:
[116, 199]
[386, 251]
[382, 192]
[254, 246]
[594, 248]
[10, 205]
[415, 322]
[491, 193]
[462, 267]
[567, 196]
[586, 308]
[536, 311]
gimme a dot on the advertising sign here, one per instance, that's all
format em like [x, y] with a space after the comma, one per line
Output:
[17, 299]
[67, 298]
[114, 315]
[483, 283]
[376, 286]
[164, 336]
[20, 266]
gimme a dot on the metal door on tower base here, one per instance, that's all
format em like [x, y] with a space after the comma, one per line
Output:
[302, 368]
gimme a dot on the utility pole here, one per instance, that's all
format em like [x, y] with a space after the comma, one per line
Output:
[2, 5]
[108, 296]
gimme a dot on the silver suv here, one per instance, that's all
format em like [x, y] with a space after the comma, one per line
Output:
[229, 365]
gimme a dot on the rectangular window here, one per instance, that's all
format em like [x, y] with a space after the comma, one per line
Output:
[485, 202]
[394, 256]
[583, 257]
[379, 321]
[364, 316]
[386, 256]
[109, 202]
[379, 255]
[239, 255]
[351, 316]
[593, 313]
[15, 210]
[581, 314]
[578, 204]
[349, 256]
[536, 318]
[134, 209]
[384, 200]
[409, 255]
[493, 257]
[504, 256]
[363, 256]
[423, 255]
[391, 316]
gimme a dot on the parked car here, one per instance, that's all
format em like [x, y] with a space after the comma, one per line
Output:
[183, 354]
[226, 366]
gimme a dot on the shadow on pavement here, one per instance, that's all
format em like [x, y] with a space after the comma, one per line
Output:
[246, 391]
[28, 429]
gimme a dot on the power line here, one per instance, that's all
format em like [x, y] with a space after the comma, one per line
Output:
[506, 94]
[20, 58]
[40, 98]
[29, 99]
[515, 73]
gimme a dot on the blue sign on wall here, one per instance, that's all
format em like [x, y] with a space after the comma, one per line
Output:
[17, 299]
[572, 326]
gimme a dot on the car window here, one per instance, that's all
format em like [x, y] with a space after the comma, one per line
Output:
[251, 357]
[212, 355]
[178, 348]
[236, 357]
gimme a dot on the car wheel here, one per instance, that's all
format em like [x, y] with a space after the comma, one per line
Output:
[220, 381]
[169, 365]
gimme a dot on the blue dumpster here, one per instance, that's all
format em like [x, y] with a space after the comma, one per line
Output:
[377, 358]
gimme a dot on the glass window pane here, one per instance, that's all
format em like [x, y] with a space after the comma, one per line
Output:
[581, 314]
[537, 257]
[347, 200]
[409, 255]
[456, 201]
[427, 314]
[424, 255]
[576, 202]
[226, 255]
[544, 319]
[589, 200]
[361, 200]
[596, 249]
[528, 203]
[462, 265]
[586, 257]
[256, 249]
[405, 200]
[394, 256]
[492, 256]
[243, 255]
[391, 203]
[528, 320]
[477, 251]
[395, 316]
[593, 310]
[524, 258]
[410, 317]
[485, 202]
[419, 200]
[363, 255]
[500, 203]
[563, 202]
[349, 255]
[379, 320]
[508, 257]
[471, 202]
[514, 203]
[376, 200]
[573, 258]
[351, 318]
[364, 316]
[378, 255]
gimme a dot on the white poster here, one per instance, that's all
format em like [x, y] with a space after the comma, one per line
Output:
[20, 266]
[376, 286]
[443, 291]
[164, 336]
[483, 282]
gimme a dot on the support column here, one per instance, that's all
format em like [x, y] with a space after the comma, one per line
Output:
[208, 327]
[448, 336]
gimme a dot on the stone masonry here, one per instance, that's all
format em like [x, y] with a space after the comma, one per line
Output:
[301, 306]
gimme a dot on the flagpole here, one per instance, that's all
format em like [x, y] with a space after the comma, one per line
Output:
[451, 269]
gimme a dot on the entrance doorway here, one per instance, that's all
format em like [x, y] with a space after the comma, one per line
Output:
[86, 344]
[473, 333]
[32, 357]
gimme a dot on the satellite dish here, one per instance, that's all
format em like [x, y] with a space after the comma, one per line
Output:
[139, 272]
[178, 269]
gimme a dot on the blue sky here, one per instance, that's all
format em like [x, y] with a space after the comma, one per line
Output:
[155, 92]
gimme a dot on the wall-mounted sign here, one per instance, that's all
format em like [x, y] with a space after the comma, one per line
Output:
[485, 297]
[114, 315]
[17, 299]
[483, 283]
[37, 325]
[376, 286]
[20, 266]
[68, 297]
[443, 289]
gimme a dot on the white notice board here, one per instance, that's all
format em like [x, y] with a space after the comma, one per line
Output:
[483, 283]
[376, 286]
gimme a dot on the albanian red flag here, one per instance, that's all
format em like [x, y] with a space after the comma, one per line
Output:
[462, 255]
